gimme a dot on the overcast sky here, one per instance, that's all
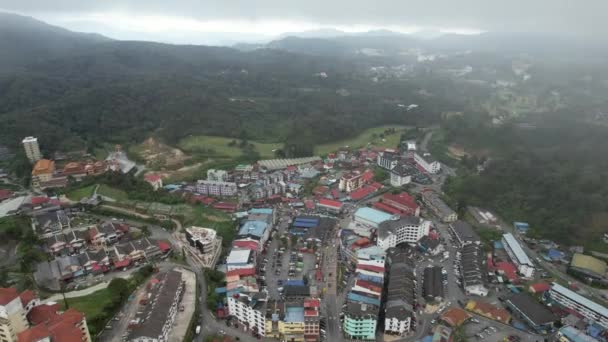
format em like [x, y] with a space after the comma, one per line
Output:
[183, 21]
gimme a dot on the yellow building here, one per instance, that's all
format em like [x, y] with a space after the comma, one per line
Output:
[42, 172]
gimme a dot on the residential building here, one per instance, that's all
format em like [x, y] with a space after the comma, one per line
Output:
[401, 175]
[204, 239]
[42, 173]
[329, 205]
[351, 181]
[518, 256]
[32, 149]
[463, 233]
[213, 188]
[572, 334]
[240, 258]
[408, 229]
[400, 297]
[403, 202]
[438, 206]
[387, 160]
[573, 301]
[156, 319]
[293, 324]
[489, 311]
[12, 314]
[372, 217]
[312, 319]
[217, 175]
[472, 270]
[432, 286]
[250, 311]
[156, 181]
[360, 321]
[49, 324]
[429, 164]
[534, 314]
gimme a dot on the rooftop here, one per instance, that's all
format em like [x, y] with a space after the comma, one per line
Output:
[537, 313]
[254, 228]
[294, 314]
[238, 256]
[373, 215]
[514, 245]
[579, 299]
[389, 227]
[464, 231]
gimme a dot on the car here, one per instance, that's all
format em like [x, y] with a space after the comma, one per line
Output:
[433, 321]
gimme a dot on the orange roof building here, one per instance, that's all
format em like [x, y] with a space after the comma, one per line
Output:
[455, 316]
[69, 326]
[489, 311]
[43, 167]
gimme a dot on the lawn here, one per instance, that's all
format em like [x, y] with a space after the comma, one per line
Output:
[78, 194]
[219, 146]
[91, 305]
[363, 139]
[116, 194]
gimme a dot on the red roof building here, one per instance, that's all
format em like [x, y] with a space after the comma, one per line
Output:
[69, 326]
[123, 263]
[164, 246]
[370, 268]
[403, 202]
[201, 199]
[508, 269]
[311, 303]
[151, 178]
[5, 194]
[368, 285]
[43, 313]
[248, 244]
[362, 193]
[335, 193]
[26, 297]
[330, 204]
[368, 176]
[309, 204]
[387, 209]
[225, 206]
[7, 295]
[39, 200]
[241, 272]
[540, 287]
[320, 190]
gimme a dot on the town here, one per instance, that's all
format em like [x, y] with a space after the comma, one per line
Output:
[357, 244]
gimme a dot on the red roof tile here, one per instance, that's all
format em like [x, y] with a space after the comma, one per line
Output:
[387, 208]
[27, 296]
[43, 313]
[362, 192]
[164, 246]
[403, 199]
[368, 285]
[370, 268]
[540, 287]
[7, 295]
[249, 244]
[39, 200]
[152, 177]
[330, 203]
[242, 272]
[311, 303]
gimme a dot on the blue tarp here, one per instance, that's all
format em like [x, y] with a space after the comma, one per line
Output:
[220, 290]
[355, 297]
[295, 282]
[307, 219]
[554, 254]
[521, 226]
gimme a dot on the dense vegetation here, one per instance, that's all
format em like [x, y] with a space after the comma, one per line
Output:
[550, 173]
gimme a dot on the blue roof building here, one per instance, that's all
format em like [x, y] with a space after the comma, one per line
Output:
[372, 217]
[359, 297]
[294, 315]
[521, 227]
[253, 228]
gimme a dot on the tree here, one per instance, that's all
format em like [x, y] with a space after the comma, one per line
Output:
[119, 287]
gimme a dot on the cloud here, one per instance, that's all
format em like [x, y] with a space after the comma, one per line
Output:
[267, 16]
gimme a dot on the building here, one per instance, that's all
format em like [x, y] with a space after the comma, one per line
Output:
[455, 316]
[204, 239]
[240, 258]
[536, 315]
[472, 270]
[387, 160]
[518, 256]
[408, 229]
[278, 164]
[432, 286]
[429, 164]
[156, 181]
[213, 188]
[12, 314]
[397, 317]
[250, 311]
[400, 298]
[49, 324]
[438, 206]
[42, 173]
[583, 306]
[217, 175]
[360, 321]
[372, 217]
[329, 205]
[293, 324]
[463, 233]
[32, 149]
[351, 181]
[489, 311]
[572, 334]
[401, 175]
[155, 320]
[403, 202]
[312, 329]
[588, 266]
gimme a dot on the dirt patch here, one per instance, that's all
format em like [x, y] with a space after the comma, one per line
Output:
[160, 156]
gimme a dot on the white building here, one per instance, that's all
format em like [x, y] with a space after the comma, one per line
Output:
[429, 164]
[12, 314]
[401, 175]
[204, 239]
[217, 175]
[397, 317]
[387, 160]
[240, 258]
[213, 188]
[408, 229]
[518, 256]
[585, 307]
[32, 149]
[249, 310]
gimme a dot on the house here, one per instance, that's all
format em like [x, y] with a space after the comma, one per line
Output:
[426, 162]
[536, 315]
[403, 202]
[135, 250]
[329, 205]
[401, 175]
[156, 181]
[46, 223]
[489, 311]
[351, 181]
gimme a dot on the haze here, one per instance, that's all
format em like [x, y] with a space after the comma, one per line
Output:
[224, 22]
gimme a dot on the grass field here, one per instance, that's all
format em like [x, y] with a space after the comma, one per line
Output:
[91, 305]
[116, 194]
[78, 194]
[219, 145]
[363, 139]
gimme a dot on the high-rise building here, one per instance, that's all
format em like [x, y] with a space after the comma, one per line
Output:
[32, 150]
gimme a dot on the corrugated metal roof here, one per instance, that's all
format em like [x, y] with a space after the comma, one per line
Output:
[514, 245]
[580, 299]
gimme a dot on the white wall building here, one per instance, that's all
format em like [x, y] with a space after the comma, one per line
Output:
[401, 175]
[32, 149]
[518, 256]
[585, 307]
[397, 319]
[249, 310]
[387, 160]
[407, 229]
[217, 175]
[214, 188]
[429, 164]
